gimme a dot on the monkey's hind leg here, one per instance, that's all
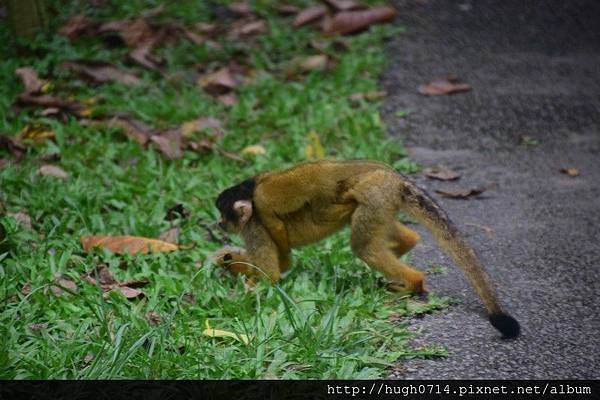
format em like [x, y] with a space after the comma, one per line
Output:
[378, 241]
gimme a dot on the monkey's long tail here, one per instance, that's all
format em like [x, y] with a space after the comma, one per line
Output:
[425, 210]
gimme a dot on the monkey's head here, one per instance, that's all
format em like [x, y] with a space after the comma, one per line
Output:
[235, 205]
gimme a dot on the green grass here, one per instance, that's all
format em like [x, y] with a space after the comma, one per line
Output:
[328, 318]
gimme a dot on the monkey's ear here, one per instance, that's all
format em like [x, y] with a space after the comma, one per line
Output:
[243, 209]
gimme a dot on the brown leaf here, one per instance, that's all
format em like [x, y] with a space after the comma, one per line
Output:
[36, 133]
[133, 128]
[193, 36]
[441, 173]
[442, 86]
[202, 146]
[460, 193]
[26, 289]
[309, 15]
[287, 9]
[52, 170]
[204, 27]
[143, 56]
[135, 283]
[134, 32]
[211, 125]
[169, 144]
[64, 283]
[346, 22]
[13, 146]
[87, 360]
[30, 79]
[76, 26]
[22, 218]
[189, 298]
[219, 82]
[38, 327]
[98, 71]
[343, 5]
[369, 96]
[153, 318]
[248, 27]
[314, 63]
[170, 235]
[228, 99]
[129, 292]
[240, 7]
[126, 244]
[573, 172]
[102, 273]
[48, 101]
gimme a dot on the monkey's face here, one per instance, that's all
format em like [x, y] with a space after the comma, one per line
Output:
[234, 219]
[235, 206]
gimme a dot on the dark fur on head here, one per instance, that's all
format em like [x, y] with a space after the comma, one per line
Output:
[241, 191]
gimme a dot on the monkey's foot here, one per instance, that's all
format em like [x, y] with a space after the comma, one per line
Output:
[403, 289]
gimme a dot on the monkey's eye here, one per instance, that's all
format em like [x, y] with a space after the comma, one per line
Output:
[227, 257]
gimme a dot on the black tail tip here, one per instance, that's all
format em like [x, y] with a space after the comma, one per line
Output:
[507, 325]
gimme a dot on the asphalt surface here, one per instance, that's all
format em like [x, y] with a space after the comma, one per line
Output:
[535, 71]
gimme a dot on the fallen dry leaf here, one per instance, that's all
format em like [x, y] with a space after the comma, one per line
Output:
[314, 149]
[170, 235]
[369, 96]
[30, 79]
[36, 133]
[248, 27]
[343, 5]
[126, 244]
[49, 101]
[169, 144]
[309, 15]
[240, 7]
[102, 273]
[189, 298]
[287, 9]
[219, 333]
[442, 86]
[573, 172]
[314, 63]
[211, 125]
[143, 56]
[133, 32]
[77, 25]
[26, 289]
[98, 71]
[129, 292]
[38, 327]
[441, 173]
[87, 360]
[22, 218]
[153, 318]
[61, 283]
[13, 146]
[254, 150]
[228, 99]
[219, 82]
[346, 22]
[460, 193]
[133, 128]
[53, 170]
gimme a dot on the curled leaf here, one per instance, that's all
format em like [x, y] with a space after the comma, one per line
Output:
[442, 86]
[53, 170]
[442, 174]
[309, 15]
[219, 82]
[460, 193]
[219, 333]
[346, 22]
[126, 244]
[254, 150]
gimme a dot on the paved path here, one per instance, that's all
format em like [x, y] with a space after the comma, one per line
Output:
[535, 71]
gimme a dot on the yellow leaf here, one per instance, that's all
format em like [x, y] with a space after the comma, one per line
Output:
[254, 150]
[46, 87]
[314, 149]
[210, 332]
[126, 244]
[36, 133]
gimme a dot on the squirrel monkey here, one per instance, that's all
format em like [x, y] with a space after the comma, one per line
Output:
[277, 211]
